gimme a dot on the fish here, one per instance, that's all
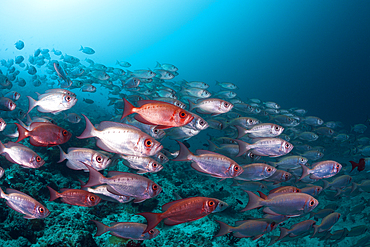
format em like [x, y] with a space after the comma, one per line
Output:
[313, 190]
[142, 164]
[21, 155]
[44, 134]
[227, 85]
[124, 183]
[279, 176]
[88, 156]
[290, 162]
[360, 165]
[123, 64]
[297, 229]
[326, 223]
[72, 118]
[272, 147]
[24, 204]
[75, 197]
[13, 95]
[87, 50]
[121, 138]
[289, 204]
[88, 101]
[256, 171]
[210, 163]
[127, 230]
[184, 210]
[2, 172]
[104, 194]
[52, 102]
[211, 106]
[19, 45]
[7, 104]
[260, 130]
[162, 114]
[320, 170]
[247, 228]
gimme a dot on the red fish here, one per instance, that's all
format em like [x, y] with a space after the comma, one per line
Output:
[44, 134]
[162, 114]
[360, 165]
[184, 210]
[75, 197]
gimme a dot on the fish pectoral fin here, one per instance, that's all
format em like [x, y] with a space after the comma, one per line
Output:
[139, 118]
[113, 191]
[29, 217]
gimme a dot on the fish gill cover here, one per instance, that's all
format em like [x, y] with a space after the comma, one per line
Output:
[184, 123]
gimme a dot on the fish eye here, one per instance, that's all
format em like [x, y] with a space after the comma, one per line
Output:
[148, 143]
[38, 158]
[236, 168]
[211, 203]
[182, 114]
[92, 198]
[68, 98]
[302, 160]
[268, 169]
[287, 145]
[251, 155]
[99, 159]
[64, 132]
[10, 104]
[337, 166]
[286, 175]
[201, 122]
[312, 202]
[41, 210]
[155, 164]
[226, 104]
[155, 131]
[273, 224]
[277, 128]
[151, 231]
[155, 187]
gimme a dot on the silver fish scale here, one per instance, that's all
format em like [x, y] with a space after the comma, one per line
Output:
[128, 185]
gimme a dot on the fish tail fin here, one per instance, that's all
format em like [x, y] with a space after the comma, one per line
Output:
[95, 177]
[191, 105]
[63, 155]
[312, 214]
[224, 228]
[243, 147]
[241, 131]
[2, 147]
[183, 154]
[326, 184]
[81, 48]
[305, 172]
[101, 228]
[152, 219]
[235, 183]
[89, 130]
[354, 187]
[283, 233]
[2, 194]
[217, 83]
[212, 147]
[31, 103]
[254, 201]
[263, 196]
[23, 132]
[128, 109]
[158, 65]
[354, 165]
[53, 194]
[316, 228]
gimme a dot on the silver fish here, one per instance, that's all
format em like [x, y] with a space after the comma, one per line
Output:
[211, 106]
[124, 183]
[261, 130]
[210, 163]
[103, 193]
[142, 164]
[320, 170]
[24, 204]
[21, 155]
[52, 102]
[272, 147]
[121, 138]
[256, 171]
[88, 156]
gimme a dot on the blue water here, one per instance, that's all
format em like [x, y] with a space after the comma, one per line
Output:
[313, 55]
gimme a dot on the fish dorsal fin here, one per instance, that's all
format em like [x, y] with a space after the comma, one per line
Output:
[113, 191]
[201, 151]
[9, 190]
[109, 124]
[14, 144]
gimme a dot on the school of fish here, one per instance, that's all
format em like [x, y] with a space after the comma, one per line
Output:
[282, 160]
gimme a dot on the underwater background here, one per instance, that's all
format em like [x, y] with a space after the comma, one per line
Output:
[311, 55]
